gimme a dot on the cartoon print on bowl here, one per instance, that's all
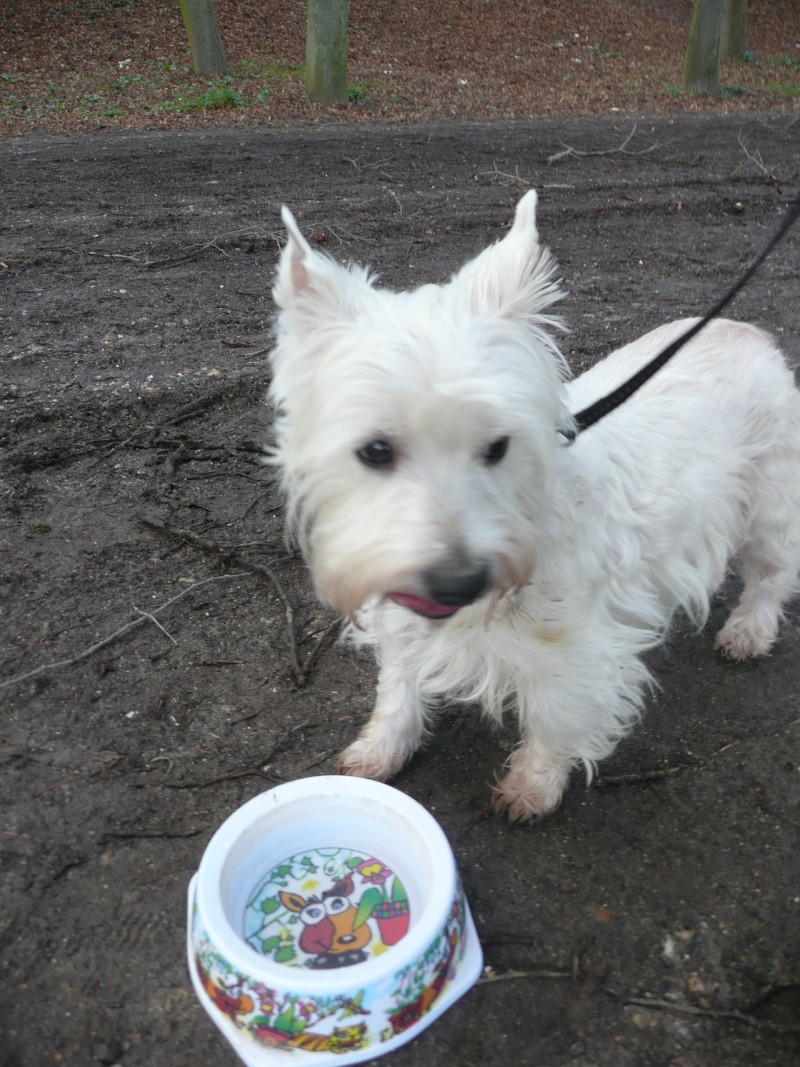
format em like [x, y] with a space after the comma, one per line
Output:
[339, 1023]
[275, 1020]
[419, 985]
[327, 908]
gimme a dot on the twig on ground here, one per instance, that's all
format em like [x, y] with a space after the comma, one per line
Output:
[230, 663]
[156, 623]
[170, 762]
[115, 255]
[377, 165]
[504, 177]
[228, 776]
[639, 776]
[250, 355]
[314, 762]
[144, 617]
[620, 150]
[104, 447]
[321, 641]
[246, 718]
[653, 1004]
[212, 243]
[260, 769]
[104, 255]
[337, 232]
[755, 158]
[635, 777]
[508, 976]
[136, 835]
[300, 671]
[188, 411]
[649, 1003]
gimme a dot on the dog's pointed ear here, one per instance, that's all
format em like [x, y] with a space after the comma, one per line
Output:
[304, 273]
[294, 265]
[514, 278]
[524, 225]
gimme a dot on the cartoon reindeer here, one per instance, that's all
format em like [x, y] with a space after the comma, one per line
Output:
[330, 935]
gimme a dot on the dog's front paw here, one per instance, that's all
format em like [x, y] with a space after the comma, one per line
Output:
[366, 760]
[531, 789]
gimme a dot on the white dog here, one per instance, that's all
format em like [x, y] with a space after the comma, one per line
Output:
[423, 444]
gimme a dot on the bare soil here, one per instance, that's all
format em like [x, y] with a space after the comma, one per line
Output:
[162, 656]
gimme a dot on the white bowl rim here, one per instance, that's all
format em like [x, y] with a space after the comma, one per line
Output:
[254, 966]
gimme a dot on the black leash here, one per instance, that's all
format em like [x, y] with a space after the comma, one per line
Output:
[606, 404]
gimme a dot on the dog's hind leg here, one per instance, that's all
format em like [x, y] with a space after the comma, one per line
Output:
[769, 558]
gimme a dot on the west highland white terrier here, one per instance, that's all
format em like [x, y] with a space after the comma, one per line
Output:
[423, 443]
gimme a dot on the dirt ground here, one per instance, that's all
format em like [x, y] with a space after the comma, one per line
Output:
[162, 655]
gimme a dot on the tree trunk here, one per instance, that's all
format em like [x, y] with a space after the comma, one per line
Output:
[735, 29]
[208, 52]
[326, 50]
[704, 49]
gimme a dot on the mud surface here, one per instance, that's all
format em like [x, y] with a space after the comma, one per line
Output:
[653, 919]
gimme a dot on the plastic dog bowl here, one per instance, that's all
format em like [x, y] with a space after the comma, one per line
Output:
[327, 923]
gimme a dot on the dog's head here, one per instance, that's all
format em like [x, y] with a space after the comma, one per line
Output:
[416, 433]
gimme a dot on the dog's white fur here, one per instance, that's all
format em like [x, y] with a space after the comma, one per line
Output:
[591, 546]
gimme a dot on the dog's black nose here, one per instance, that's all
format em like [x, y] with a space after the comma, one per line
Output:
[456, 583]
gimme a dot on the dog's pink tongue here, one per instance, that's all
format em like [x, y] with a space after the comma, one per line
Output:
[429, 608]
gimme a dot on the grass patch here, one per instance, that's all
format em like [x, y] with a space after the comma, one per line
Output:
[358, 90]
[165, 87]
[223, 96]
[356, 93]
[283, 70]
[789, 90]
[725, 92]
[786, 61]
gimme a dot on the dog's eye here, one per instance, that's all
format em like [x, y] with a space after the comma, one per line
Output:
[376, 454]
[496, 450]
